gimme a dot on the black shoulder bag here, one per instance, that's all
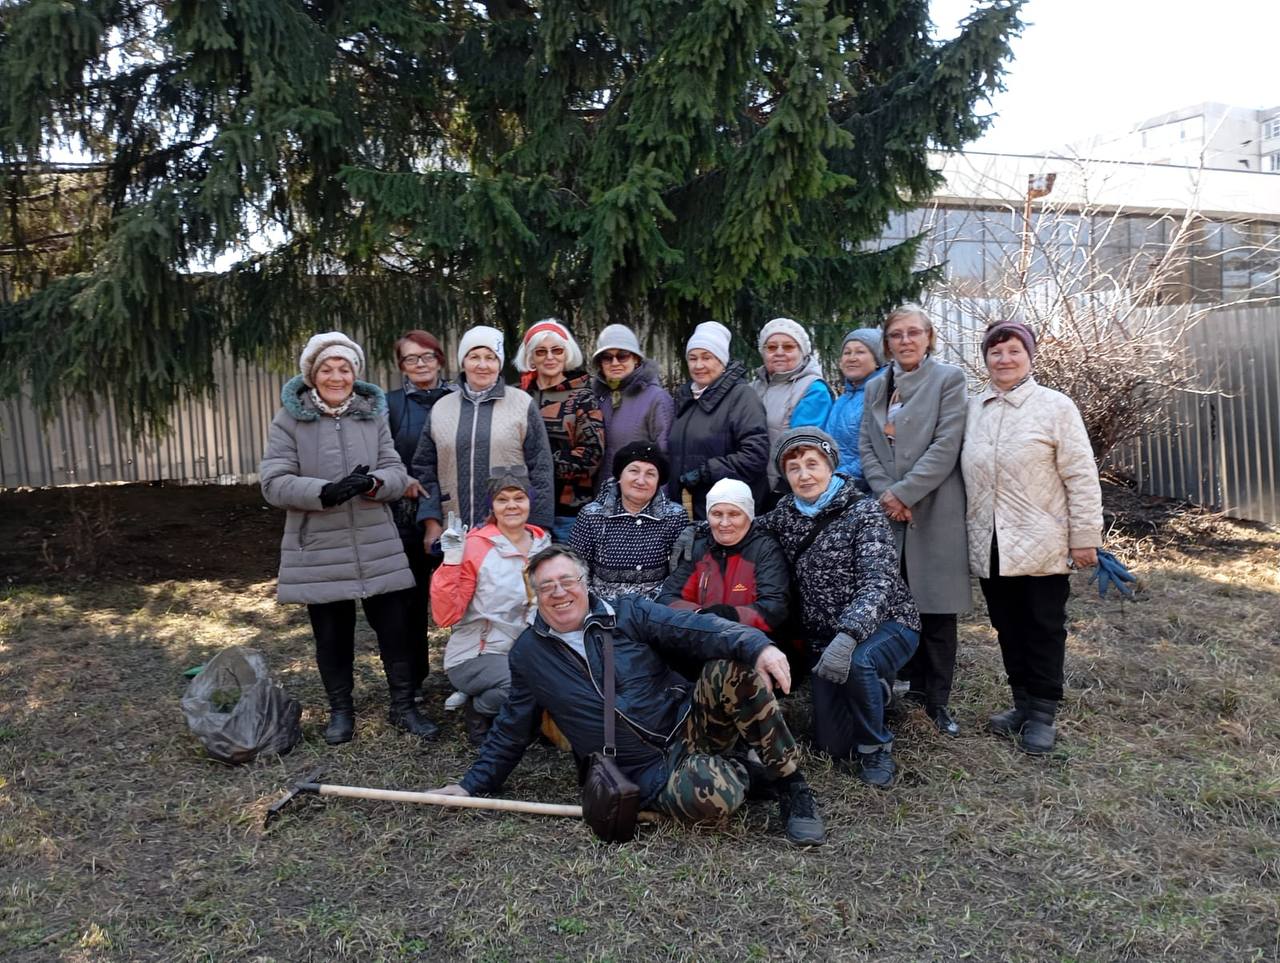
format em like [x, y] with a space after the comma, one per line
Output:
[610, 801]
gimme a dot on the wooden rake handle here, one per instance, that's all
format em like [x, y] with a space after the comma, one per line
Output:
[461, 802]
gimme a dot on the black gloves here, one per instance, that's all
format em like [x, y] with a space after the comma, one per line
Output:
[691, 479]
[345, 489]
[724, 611]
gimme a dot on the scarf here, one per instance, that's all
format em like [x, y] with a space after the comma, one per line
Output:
[325, 409]
[474, 395]
[811, 509]
[615, 392]
[902, 380]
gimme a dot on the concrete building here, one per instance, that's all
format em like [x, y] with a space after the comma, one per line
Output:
[1211, 135]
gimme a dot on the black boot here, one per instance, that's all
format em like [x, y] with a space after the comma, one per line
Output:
[478, 724]
[1038, 732]
[403, 714]
[342, 725]
[1009, 722]
[336, 674]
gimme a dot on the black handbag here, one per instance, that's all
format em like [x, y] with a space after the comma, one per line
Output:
[610, 801]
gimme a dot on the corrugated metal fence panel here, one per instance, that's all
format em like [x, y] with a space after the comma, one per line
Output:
[1220, 450]
[1222, 445]
[219, 439]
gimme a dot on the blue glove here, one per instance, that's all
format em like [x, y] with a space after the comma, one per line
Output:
[1111, 572]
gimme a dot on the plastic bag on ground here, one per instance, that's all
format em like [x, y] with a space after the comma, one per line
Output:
[237, 712]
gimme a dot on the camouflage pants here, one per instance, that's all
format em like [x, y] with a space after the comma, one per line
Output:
[729, 701]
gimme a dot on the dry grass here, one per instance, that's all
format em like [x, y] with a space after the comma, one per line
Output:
[1154, 833]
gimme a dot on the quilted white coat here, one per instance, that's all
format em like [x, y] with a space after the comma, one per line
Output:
[1029, 472]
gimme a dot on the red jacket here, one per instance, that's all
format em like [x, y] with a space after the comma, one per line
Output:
[752, 576]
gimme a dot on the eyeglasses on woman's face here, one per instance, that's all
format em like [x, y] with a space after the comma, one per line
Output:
[615, 357]
[414, 360]
[549, 351]
[910, 334]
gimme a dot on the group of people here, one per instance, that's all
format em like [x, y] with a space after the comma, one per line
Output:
[742, 532]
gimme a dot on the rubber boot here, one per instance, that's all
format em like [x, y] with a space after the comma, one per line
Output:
[1038, 732]
[1010, 721]
[403, 714]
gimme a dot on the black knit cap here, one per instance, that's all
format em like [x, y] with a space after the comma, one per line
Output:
[645, 451]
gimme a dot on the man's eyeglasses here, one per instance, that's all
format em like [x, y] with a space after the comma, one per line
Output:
[564, 583]
[615, 357]
[413, 360]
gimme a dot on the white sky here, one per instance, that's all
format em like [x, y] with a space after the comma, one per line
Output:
[1086, 66]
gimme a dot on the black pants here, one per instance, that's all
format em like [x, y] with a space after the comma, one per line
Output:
[933, 668]
[334, 626]
[1029, 614]
[422, 565]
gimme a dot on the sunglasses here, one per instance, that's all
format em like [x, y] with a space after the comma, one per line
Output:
[614, 357]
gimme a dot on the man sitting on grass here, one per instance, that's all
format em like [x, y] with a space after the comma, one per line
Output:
[675, 736]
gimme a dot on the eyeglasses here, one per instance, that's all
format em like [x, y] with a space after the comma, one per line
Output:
[552, 352]
[413, 360]
[912, 334]
[564, 583]
[615, 357]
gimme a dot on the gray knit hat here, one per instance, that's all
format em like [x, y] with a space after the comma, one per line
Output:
[508, 476]
[805, 437]
[872, 338]
[617, 337]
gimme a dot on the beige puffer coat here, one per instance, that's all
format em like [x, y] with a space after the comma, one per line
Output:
[352, 550]
[1029, 471]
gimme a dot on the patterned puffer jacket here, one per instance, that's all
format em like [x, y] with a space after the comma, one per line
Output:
[847, 580]
[627, 554]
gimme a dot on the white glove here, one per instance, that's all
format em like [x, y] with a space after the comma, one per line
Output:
[452, 540]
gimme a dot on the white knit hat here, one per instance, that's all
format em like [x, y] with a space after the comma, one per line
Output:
[549, 331]
[331, 344]
[711, 336]
[730, 491]
[481, 336]
[617, 337]
[792, 329]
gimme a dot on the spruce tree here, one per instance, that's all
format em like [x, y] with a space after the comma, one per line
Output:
[436, 163]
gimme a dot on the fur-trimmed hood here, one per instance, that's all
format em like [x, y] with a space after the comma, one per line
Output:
[370, 401]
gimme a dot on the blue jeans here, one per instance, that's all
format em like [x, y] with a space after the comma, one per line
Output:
[561, 527]
[850, 717]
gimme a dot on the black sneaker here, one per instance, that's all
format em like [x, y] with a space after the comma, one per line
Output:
[944, 722]
[799, 812]
[877, 768]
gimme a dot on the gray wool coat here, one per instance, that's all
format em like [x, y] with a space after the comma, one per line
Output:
[922, 468]
[352, 550]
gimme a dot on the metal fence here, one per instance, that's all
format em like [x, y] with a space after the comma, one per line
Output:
[1221, 451]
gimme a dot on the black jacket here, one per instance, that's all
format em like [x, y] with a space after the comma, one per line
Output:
[723, 434]
[652, 699]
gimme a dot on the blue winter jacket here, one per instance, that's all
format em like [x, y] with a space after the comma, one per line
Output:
[844, 423]
[652, 699]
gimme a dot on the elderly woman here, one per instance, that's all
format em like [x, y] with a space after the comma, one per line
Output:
[630, 395]
[330, 463]
[912, 428]
[626, 534]
[736, 571]
[855, 610]
[719, 430]
[790, 385]
[482, 424]
[420, 359]
[480, 591]
[861, 359]
[1035, 512]
[551, 365]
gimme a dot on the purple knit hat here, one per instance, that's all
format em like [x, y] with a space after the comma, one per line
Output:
[1015, 328]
